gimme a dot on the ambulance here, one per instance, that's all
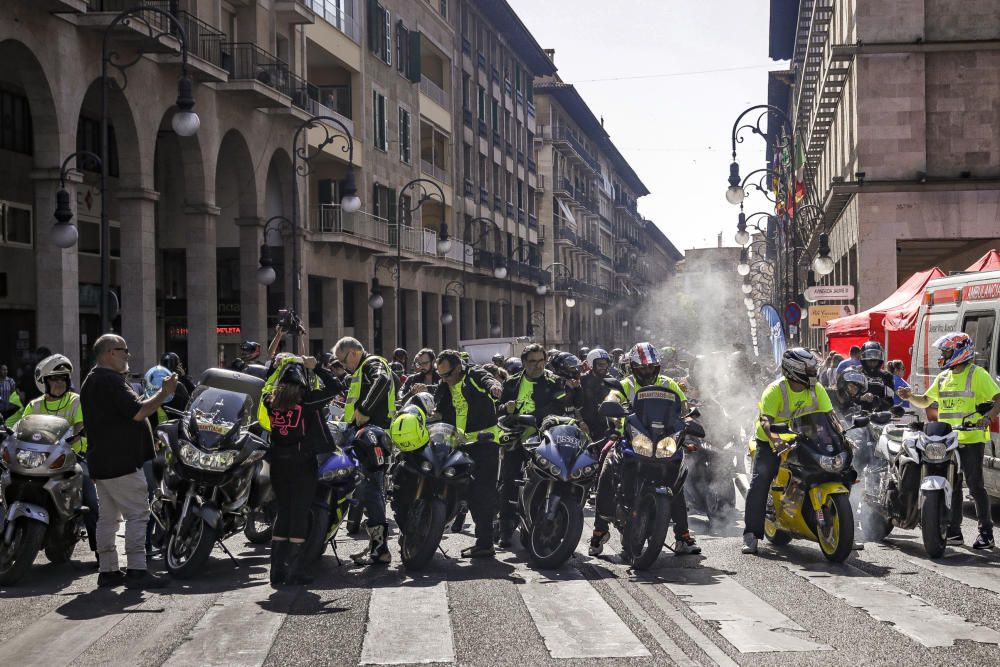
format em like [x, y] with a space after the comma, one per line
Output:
[968, 302]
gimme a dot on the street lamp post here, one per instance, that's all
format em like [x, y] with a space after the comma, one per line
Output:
[64, 232]
[333, 130]
[266, 274]
[427, 190]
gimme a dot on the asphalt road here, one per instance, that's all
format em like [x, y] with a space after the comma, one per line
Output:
[887, 605]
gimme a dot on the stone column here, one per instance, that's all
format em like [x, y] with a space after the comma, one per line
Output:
[388, 318]
[363, 314]
[434, 325]
[202, 291]
[467, 319]
[413, 312]
[253, 295]
[482, 310]
[57, 276]
[333, 311]
[451, 331]
[137, 210]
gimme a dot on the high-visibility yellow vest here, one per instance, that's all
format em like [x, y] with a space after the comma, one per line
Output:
[354, 391]
[66, 406]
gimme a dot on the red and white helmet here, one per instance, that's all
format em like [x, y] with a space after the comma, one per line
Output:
[956, 348]
[643, 354]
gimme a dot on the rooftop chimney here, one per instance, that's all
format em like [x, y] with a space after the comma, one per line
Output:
[551, 53]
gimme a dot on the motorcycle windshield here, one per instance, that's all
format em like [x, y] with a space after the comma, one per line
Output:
[658, 409]
[567, 440]
[338, 432]
[217, 414]
[41, 429]
[445, 434]
[820, 432]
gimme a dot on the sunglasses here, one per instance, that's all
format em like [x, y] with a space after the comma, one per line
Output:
[447, 374]
[120, 349]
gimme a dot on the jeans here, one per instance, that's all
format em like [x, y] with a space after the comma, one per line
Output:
[122, 497]
[765, 468]
[371, 495]
[482, 494]
[510, 471]
[971, 457]
[293, 477]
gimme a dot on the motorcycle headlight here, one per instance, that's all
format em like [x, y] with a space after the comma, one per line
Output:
[213, 461]
[337, 474]
[833, 463]
[448, 472]
[426, 466]
[642, 444]
[666, 448]
[935, 452]
[585, 471]
[30, 459]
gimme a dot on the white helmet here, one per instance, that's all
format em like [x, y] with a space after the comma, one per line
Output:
[425, 401]
[52, 365]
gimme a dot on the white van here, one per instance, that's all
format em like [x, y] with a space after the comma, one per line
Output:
[968, 302]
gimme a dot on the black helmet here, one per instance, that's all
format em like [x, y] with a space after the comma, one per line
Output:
[249, 350]
[170, 361]
[872, 356]
[400, 352]
[799, 365]
[294, 373]
[584, 351]
[397, 368]
[566, 365]
[513, 365]
[851, 384]
[499, 359]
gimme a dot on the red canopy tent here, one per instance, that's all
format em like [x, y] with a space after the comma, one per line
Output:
[891, 322]
[988, 262]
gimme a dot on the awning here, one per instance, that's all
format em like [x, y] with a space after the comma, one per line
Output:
[988, 262]
[566, 212]
[902, 304]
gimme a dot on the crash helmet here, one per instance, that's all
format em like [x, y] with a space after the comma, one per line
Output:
[644, 361]
[872, 356]
[465, 357]
[424, 401]
[399, 353]
[408, 430]
[566, 365]
[851, 384]
[153, 379]
[617, 353]
[498, 359]
[799, 365]
[249, 350]
[54, 365]
[513, 365]
[955, 348]
[171, 361]
[668, 354]
[584, 351]
[397, 368]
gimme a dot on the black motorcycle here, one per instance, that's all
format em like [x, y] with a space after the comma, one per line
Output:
[559, 473]
[712, 467]
[210, 457]
[426, 487]
[648, 469]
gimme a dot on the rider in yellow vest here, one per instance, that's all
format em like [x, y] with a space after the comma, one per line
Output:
[53, 377]
[957, 390]
[794, 395]
[371, 400]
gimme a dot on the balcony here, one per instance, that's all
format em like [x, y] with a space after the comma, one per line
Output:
[484, 196]
[470, 188]
[434, 171]
[435, 93]
[520, 155]
[331, 101]
[497, 204]
[264, 80]
[335, 16]
[334, 225]
[296, 12]
[507, 88]
[481, 60]
[467, 118]
[148, 31]
[566, 234]
[482, 128]
[564, 135]
[495, 73]
[509, 149]
[532, 167]
[531, 109]
[204, 43]
[532, 221]
[562, 186]
[590, 246]
[466, 46]
[510, 210]
[519, 96]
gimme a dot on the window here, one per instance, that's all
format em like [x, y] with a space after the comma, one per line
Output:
[980, 327]
[15, 123]
[482, 104]
[495, 114]
[15, 224]
[466, 93]
[408, 52]
[380, 121]
[443, 8]
[520, 195]
[379, 31]
[315, 286]
[404, 135]
[88, 138]
[384, 203]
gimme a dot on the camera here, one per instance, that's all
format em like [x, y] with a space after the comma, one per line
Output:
[289, 322]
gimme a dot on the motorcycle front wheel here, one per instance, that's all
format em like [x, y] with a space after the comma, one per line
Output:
[934, 523]
[424, 527]
[60, 548]
[552, 541]
[188, 551]
[837, 540]
[17, 557]
[646, 530]
[260, 524]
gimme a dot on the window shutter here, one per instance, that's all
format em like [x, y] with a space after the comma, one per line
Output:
[392, 206]
[414, 65]
[374, 21]
[385, 123]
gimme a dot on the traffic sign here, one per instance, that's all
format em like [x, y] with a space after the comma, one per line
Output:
[793, 314]
[829, 293]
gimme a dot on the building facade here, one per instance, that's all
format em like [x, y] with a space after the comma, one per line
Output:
[895, 102]
[438, 91]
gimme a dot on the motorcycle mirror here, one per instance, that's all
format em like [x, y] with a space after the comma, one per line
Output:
[882, 417]
[612, 409]
[695, 413]
[695, 429]
[860, 421]
[614, 383]
[780, 428]
[983, 408]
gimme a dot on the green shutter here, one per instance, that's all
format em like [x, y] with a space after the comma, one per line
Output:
[376, 207]
[392, 206]
[374, 21]
[414, 65]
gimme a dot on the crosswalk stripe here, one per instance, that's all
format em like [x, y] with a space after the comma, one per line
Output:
[575, 621]
[408, 624]
[236, 631]
[670, 612]
[744, 620]
[55, 640]
[908, 614]
[984, 574]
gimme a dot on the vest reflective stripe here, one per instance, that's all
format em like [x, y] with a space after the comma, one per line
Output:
[39, 407]
[629, 385]
[967, 392]
[354, 391]
[786, 408]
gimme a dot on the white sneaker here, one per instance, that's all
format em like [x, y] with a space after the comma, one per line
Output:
[749, 543]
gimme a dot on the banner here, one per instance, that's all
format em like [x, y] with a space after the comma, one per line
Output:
[776, 332]
[820, 315]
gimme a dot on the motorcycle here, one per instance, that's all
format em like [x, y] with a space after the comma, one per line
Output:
[561, 469]
[426, 487]
[340, 473]
[810, 496]
[262, 506]
[712, 468]
[208, 477]
[910, 480]
[649, 469]
[41, 495]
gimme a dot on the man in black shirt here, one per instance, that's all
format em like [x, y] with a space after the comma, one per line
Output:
[423, 378]
[119, 442]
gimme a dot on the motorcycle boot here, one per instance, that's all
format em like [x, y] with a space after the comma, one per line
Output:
[597, 542]
[377, 552]
[507, 527]
[279, 562]
[296, 574]
[686, 544]
[459, 522]
[954, 538]
[749, 543]
[984, 541]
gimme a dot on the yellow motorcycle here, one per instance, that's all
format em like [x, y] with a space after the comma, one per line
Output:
[810, 496]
